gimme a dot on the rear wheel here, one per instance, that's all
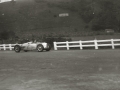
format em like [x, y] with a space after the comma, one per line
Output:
[48, 47]
[40, 48]
[17, 48]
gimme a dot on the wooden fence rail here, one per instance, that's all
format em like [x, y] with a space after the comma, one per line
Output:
[90, 43]
[7, 46]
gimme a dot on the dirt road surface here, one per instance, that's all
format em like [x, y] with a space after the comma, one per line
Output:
[60, 70]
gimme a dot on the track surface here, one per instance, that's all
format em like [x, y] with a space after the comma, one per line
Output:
[60, 70]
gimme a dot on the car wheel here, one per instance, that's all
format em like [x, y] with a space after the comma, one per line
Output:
[48, 47]
[40, 48]
[17, 48]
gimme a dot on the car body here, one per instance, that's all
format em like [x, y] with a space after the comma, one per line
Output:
[39, 46]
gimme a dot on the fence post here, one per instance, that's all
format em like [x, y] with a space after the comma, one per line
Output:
[96, 44]
[80, 42]
[10, 46]
[67, 44]
[112, 42]
[4, 47]
[55, 45]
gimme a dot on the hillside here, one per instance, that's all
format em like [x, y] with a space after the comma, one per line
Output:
[39, 17]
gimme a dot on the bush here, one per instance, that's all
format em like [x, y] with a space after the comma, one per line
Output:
[50, 40]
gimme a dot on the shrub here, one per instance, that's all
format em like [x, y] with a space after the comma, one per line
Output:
[50, 40]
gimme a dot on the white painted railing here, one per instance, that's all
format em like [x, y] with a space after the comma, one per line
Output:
[7, 46]
[90, 43]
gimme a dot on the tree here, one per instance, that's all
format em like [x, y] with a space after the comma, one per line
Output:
[8, 35]
[4, 35]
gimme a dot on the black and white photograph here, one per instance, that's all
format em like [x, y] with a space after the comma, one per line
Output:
[59, 44]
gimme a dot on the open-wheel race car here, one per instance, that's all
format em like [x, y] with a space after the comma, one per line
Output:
[38, 46]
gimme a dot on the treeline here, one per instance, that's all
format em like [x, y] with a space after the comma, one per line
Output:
[9, 37]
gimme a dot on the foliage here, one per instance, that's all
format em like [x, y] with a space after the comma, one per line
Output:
[50, 40]
[4, 35]
[8, 35]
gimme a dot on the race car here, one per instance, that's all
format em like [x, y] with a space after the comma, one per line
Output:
[38, 46]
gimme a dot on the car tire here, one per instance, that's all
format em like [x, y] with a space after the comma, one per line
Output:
[17, 48]
[40, 48]
[48, 47]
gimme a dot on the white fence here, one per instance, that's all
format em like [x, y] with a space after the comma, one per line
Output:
[80, 44]
[90, 43]
[2, 1]
[7, 46]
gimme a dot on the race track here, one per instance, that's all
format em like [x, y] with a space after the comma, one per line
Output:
[60, 70]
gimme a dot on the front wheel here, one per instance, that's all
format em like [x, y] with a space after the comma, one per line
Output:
[40, 48]
[17, 48]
